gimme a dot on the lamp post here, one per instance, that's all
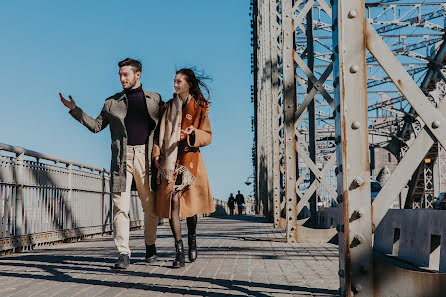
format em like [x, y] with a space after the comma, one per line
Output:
[248, 182]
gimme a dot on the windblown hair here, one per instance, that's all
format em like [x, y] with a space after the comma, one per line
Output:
[136, 65]
[196, 84]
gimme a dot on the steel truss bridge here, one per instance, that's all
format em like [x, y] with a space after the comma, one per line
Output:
[346, 92]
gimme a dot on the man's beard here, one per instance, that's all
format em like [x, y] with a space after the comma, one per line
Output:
[132, 84]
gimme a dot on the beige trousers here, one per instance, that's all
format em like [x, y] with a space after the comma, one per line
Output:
[136, 168]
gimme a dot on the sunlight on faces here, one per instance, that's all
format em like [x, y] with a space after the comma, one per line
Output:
[129, 78]
[181, 85]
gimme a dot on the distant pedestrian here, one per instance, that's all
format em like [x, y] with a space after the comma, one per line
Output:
[231, 204]
[240, 202]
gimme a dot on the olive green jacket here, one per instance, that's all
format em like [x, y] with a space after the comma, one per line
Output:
[113, 113]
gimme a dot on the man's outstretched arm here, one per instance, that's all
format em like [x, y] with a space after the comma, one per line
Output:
[94, 125]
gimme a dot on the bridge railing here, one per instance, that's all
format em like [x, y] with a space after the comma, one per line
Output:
[45, 200]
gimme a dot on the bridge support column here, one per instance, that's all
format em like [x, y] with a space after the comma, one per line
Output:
[289, 95]
[275, 107]
[355, 236]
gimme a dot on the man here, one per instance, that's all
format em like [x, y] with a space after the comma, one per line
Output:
[240, 201]
[231, 204]
[132, 115]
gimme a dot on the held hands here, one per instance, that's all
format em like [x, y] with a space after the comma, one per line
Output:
[189, 130]
[70, 104]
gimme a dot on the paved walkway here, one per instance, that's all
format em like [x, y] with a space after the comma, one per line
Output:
[235, 259]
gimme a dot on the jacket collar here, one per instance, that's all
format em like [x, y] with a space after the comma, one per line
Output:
[152, 107]
[121, 96]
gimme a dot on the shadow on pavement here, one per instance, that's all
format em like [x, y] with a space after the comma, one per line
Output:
[255, 288]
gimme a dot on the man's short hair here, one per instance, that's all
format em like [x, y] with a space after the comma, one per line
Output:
[137, 66]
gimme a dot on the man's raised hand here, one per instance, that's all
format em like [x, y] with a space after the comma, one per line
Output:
[70, 104]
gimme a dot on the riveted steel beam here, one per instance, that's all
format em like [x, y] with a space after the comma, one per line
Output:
[289, 94]
[355, 242]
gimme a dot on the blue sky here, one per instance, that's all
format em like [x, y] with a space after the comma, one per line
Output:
[73, 47]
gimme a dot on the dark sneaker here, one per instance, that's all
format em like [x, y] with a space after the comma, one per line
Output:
[123, 262]
[151, 255]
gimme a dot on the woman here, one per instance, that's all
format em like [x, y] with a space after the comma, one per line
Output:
[183, 187]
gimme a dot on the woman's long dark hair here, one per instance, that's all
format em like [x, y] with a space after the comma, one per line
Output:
[196, 83]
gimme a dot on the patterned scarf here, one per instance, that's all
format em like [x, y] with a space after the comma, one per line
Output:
[178, 158]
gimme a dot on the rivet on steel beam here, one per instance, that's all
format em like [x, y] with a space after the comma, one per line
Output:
[356, 125]
[352, 14]
[364, 269]
[335, 82]
[359, 238]
[354, 69]
[436, 124]
[341, 273]
[358, 181]
[356, 288]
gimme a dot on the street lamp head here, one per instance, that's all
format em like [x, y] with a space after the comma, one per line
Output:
[248, 182]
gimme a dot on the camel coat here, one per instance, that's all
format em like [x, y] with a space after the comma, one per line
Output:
[197, 199]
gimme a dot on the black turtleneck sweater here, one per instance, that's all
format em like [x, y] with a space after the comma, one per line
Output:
[138, 122]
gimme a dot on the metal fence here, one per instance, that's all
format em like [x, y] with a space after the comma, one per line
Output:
[45, 200]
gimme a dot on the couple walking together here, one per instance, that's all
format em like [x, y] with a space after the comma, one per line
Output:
[156, 144]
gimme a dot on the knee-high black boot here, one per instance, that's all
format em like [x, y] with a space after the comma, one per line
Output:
[179, 257]
[192, 237]
[192, 243]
